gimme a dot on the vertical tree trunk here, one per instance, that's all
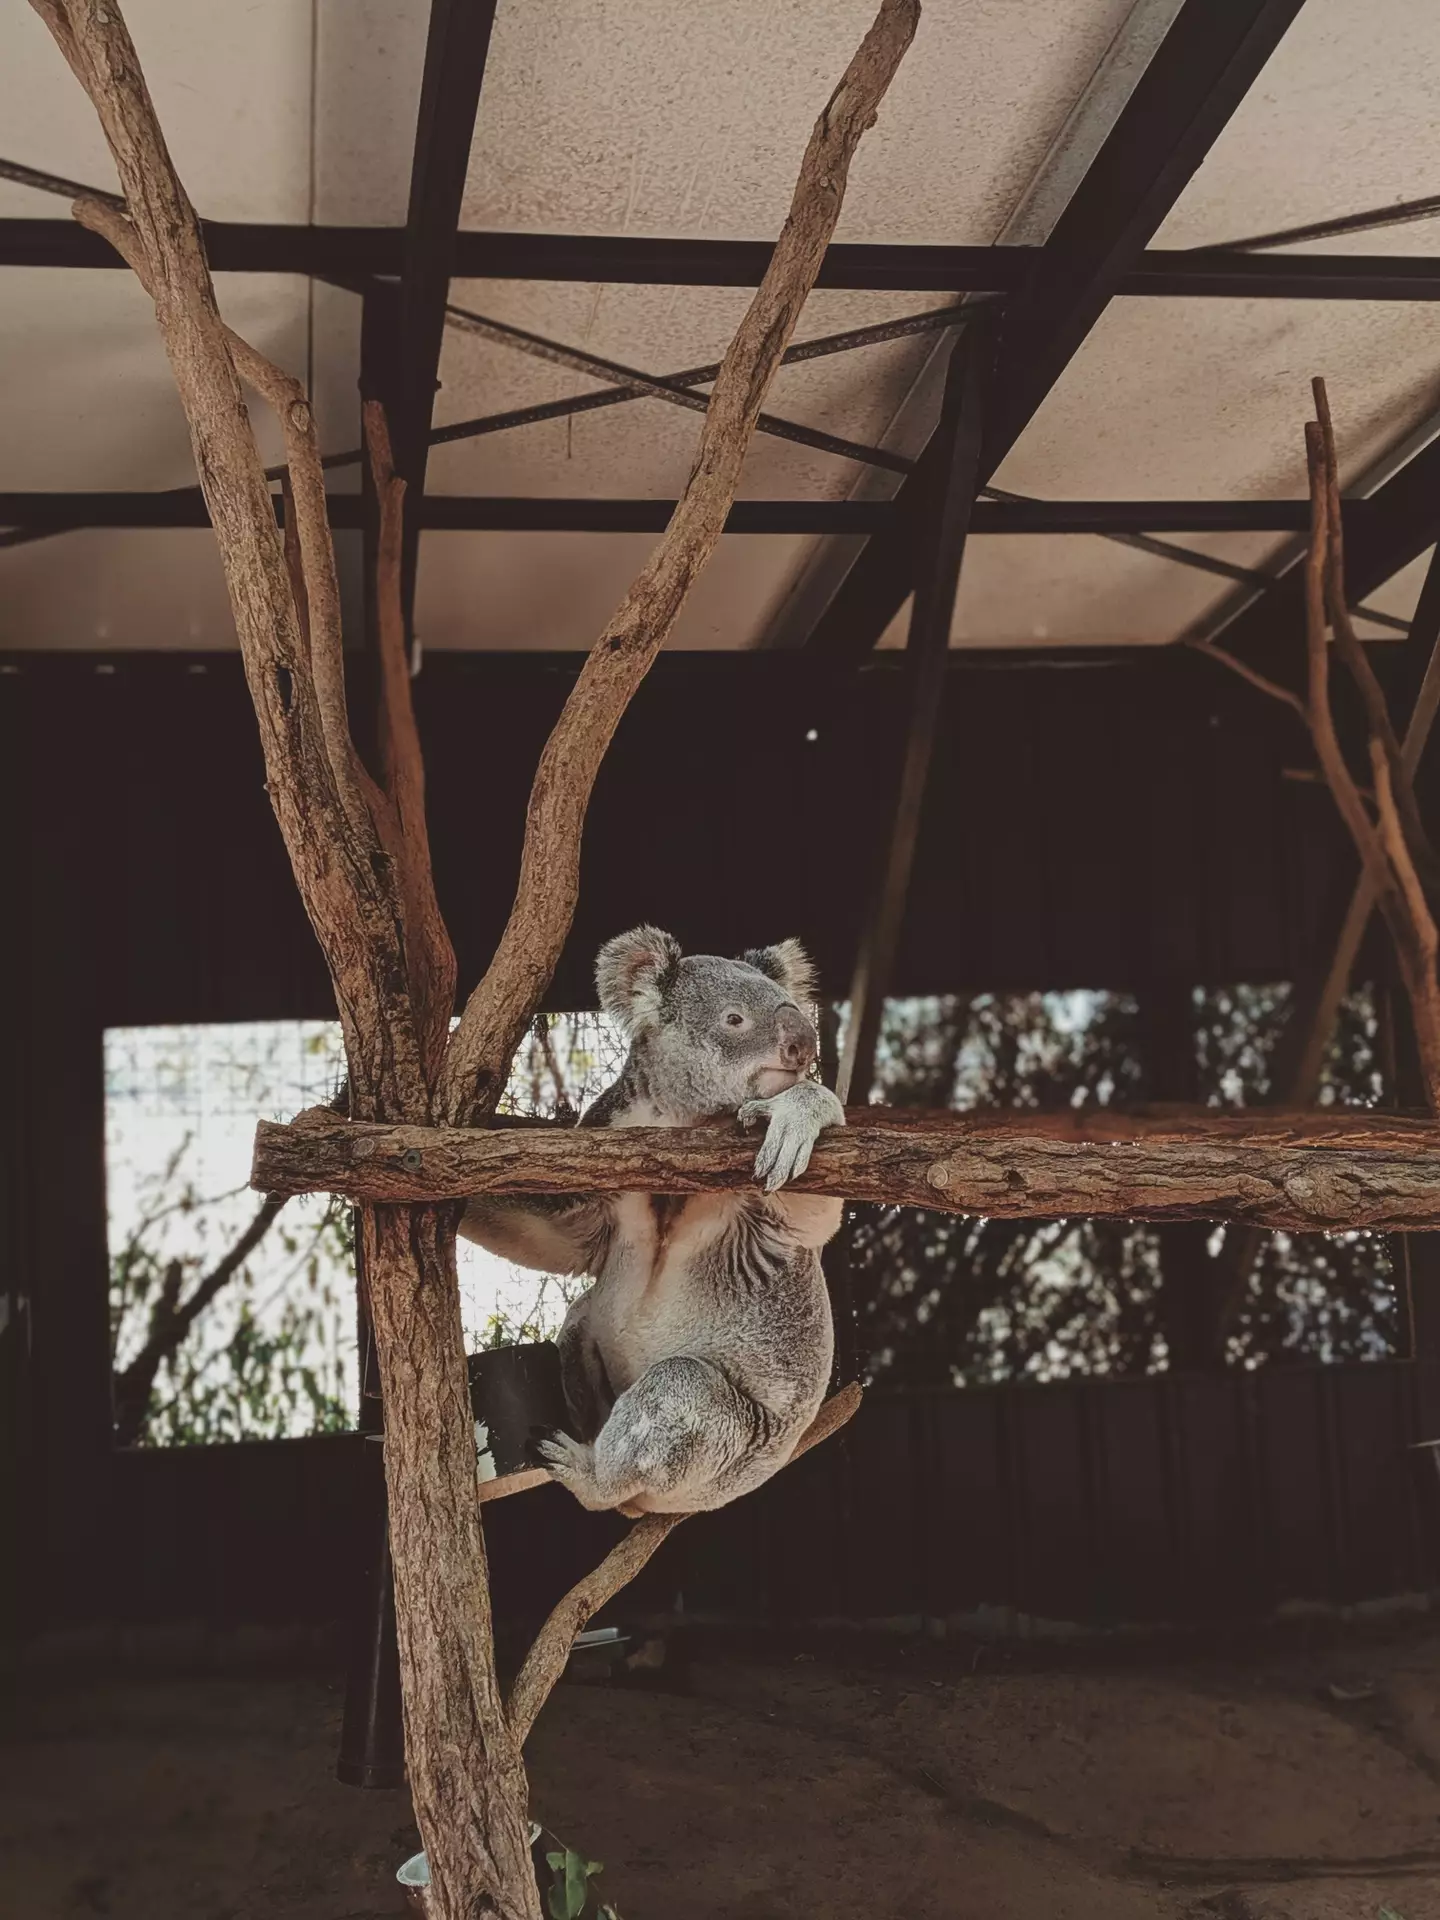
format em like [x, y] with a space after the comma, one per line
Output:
[474, 1808]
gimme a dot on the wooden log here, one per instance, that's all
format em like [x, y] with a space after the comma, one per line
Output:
[1303, 1171]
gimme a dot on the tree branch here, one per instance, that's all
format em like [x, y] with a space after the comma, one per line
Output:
[1417, 969]
[1258, 680]
[170, 1322]
[313, 776]
[1392, 835]
[494, 1018]
[1322, 722]
[1357, 661]
[545, 1662]
[309, 549]
[350, 849]
[1305, 1172]
[430, 955]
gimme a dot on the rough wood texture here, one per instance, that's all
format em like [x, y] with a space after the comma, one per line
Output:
[1387, 862]
[481, 1049]
[1303, 1171]
[361, 862]
[464, 1765]
[429, 955]
[466, 1777]
[545, 1662]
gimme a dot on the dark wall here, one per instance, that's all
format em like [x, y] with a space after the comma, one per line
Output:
[1120, 823]
[1088, 825]
[1177, 1498]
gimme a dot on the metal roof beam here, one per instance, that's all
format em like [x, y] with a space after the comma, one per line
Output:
[1193, 83]
[184, 507]
[456, 49]
[343, 253]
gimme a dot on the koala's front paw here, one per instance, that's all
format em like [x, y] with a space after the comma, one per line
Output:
[793, 1121]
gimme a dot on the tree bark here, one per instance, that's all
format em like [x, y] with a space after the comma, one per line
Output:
[473, 1813]
[481, 1049]
[362, 867]
[1306, 1172]
[547, 1658]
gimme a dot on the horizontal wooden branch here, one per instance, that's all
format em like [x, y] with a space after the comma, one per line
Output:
[1302, 1171]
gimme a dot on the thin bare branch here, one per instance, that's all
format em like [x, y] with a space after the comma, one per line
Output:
[318, 585]
[331, 841]
[1393, 836]
[1322, 722]
[495, 1016]
[430, 956]
[1357, 661]
[1417, 971]
[171, 1321]
[545, 1662]
[1258, 680]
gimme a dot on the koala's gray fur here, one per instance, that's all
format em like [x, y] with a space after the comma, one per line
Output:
[702, 1352]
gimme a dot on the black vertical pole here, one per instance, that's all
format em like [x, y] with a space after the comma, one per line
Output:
[944, 528]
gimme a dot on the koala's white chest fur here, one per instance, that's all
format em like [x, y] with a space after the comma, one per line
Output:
[651, 1298]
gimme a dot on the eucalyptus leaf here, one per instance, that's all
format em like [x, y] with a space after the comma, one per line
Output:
[577, 1885]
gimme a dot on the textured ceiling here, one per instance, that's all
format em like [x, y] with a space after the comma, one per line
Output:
[640, 117]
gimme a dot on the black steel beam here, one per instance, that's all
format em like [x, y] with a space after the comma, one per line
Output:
[350, 253]
[456, 48]
[184, 507]
[1400, 520]
[1196, 78]
[1169, 273]
[947, 519]
[1200, 73]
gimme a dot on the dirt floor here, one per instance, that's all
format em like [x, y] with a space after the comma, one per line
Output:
[1275, 1782]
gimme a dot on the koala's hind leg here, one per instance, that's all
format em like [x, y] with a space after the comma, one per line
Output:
[588, 1394]
[669, 1445]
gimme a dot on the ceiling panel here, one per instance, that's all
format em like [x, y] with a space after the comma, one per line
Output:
[636, 116]
[640, 116]
[231, 84]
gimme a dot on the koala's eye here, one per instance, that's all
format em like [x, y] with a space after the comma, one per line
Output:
[734, 1018]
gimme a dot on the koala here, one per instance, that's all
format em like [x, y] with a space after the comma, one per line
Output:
[702, 1352]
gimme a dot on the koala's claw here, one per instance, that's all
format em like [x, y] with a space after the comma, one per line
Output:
[793, 1120]
[560, 1454]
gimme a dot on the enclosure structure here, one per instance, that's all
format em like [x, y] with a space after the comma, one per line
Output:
[1094, 816]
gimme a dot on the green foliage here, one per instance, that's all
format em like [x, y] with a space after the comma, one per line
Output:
[943, 1299]
[277, 1370]
[569, 1897]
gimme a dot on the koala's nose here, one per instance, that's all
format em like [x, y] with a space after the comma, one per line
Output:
[797, 1039]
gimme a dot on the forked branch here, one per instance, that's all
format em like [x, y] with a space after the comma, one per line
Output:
[360, 860]
[1357, 661]
[495, 1016]
[545, 1662]
[1387, 850]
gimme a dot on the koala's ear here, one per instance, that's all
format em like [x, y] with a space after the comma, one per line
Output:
[632, 972]
[788, 965]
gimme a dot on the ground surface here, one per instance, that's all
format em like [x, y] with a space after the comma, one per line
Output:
[1272, 1784]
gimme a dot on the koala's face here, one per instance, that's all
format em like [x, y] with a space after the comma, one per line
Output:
[708, 1033]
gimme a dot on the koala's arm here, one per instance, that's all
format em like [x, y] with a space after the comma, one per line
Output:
[793, 1121]
[552, 1234]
